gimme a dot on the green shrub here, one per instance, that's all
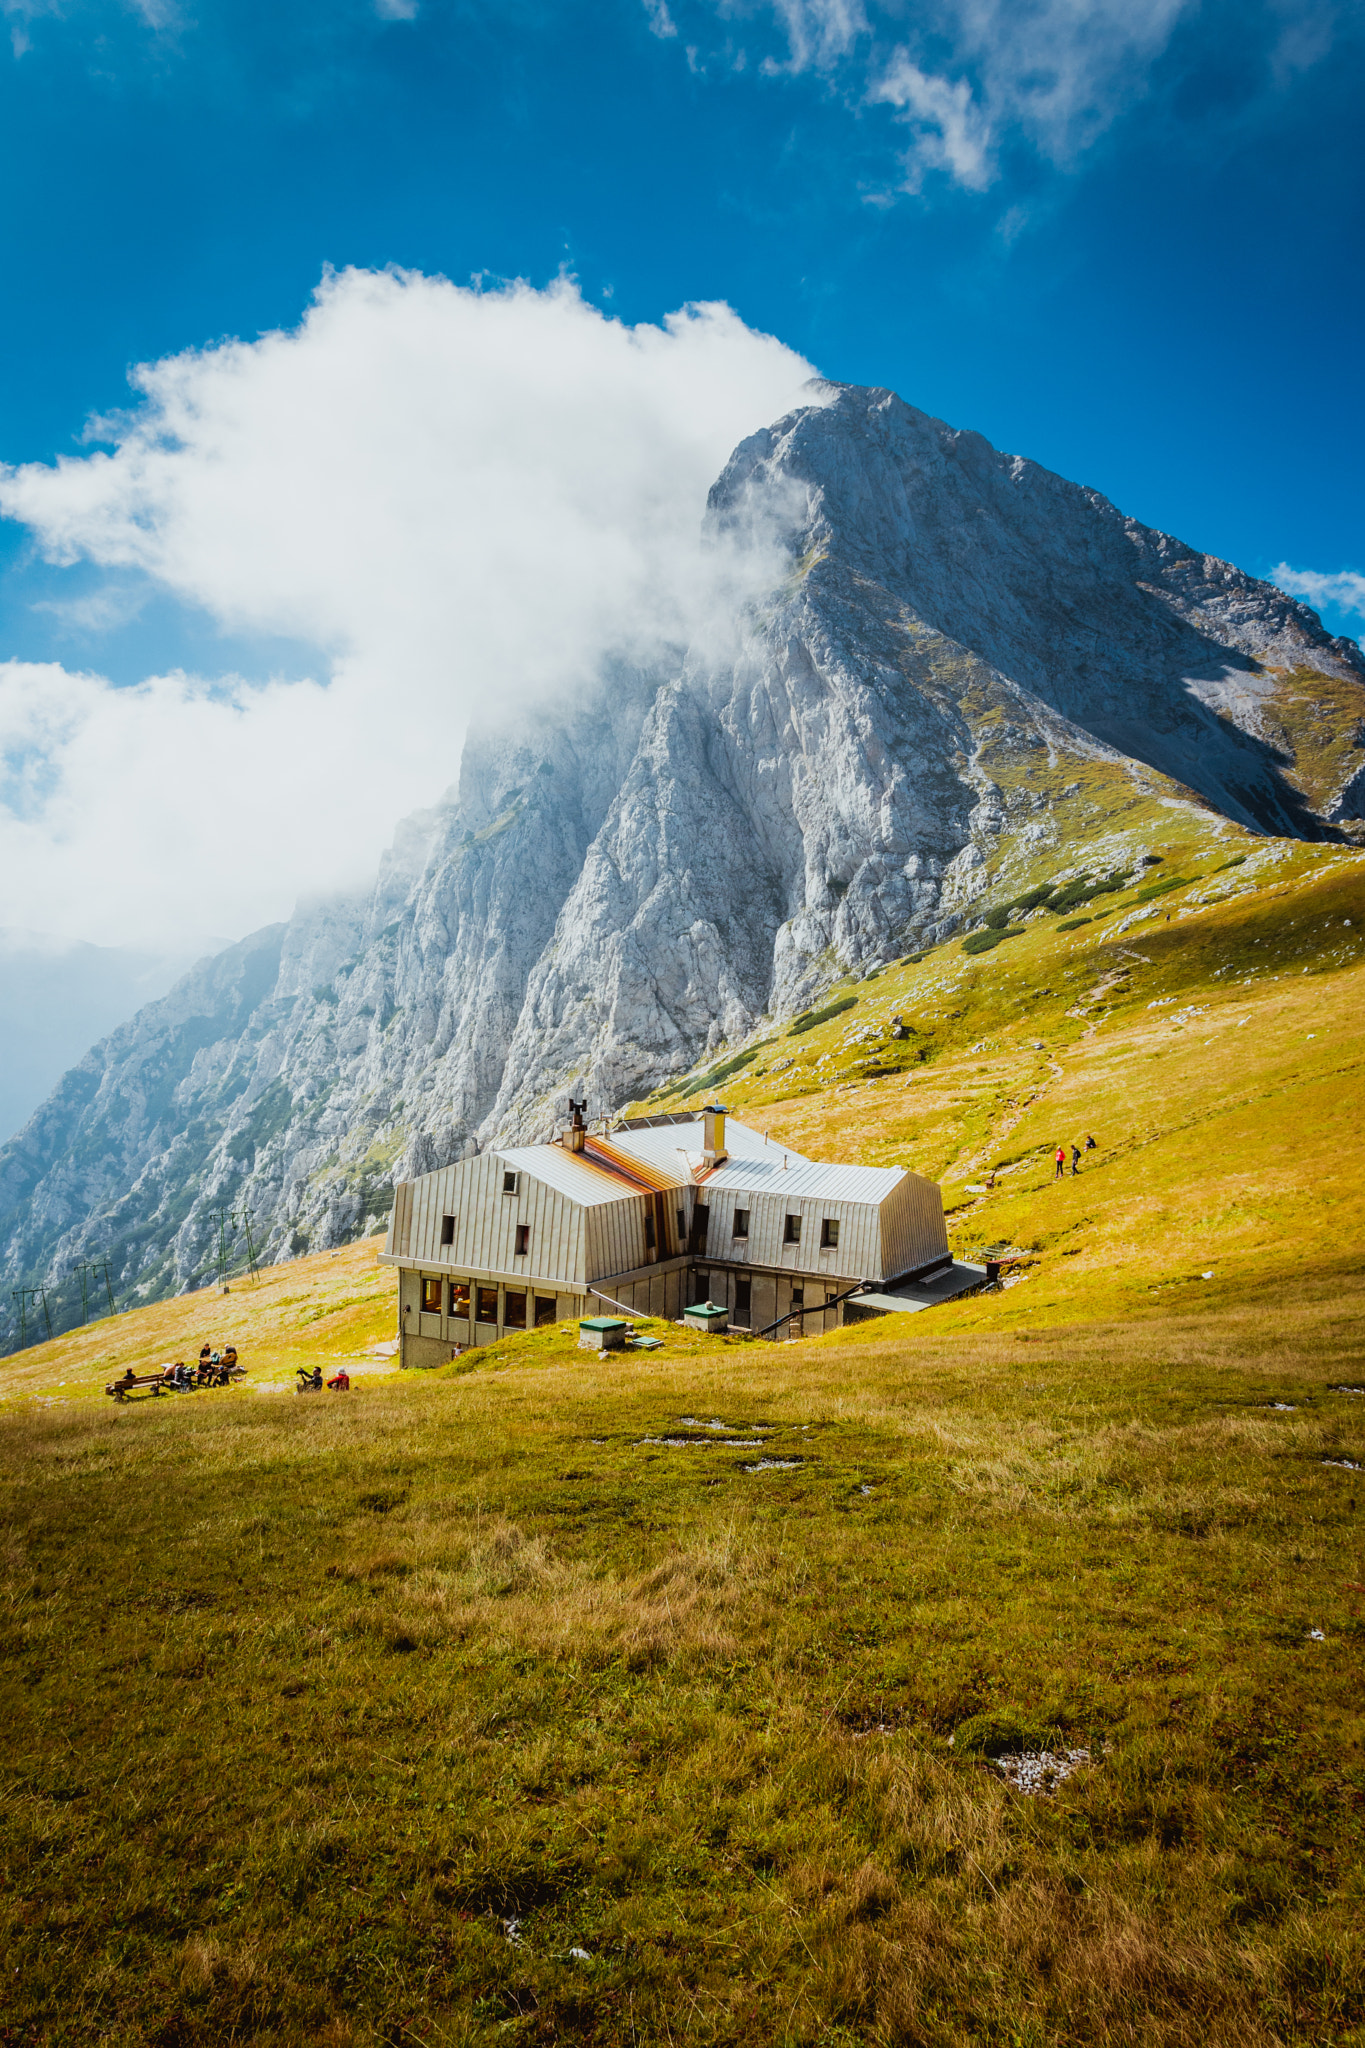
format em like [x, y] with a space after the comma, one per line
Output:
[985, 941]
[1074, 924]
[1163, 888]
[1074, 894]
[808, 1019]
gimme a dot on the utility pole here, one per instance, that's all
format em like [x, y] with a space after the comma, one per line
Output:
[251, 1259]
[47, 1313]
[223, 1220]
[92, 1271]
[21, 1295]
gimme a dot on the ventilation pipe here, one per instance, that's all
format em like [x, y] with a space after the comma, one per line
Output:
[713, 1134]
[576, 1137]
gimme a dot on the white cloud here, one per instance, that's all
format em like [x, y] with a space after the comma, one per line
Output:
[969, 76]
[1344, 591]
[820, 32]
[1056, 72]
[952, 133]
[396, 10]
[661, 22]
[460, 498]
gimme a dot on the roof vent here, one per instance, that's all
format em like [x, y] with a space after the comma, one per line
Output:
[713, 1133]
[576, 1137]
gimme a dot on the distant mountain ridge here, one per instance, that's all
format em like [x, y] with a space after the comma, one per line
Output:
[971, 666]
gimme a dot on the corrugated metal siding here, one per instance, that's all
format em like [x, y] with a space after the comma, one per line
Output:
[858, 1255]
[585, 1225]
[486, 1224]
[914, 1232]
[400, 1222]
[616, 1237]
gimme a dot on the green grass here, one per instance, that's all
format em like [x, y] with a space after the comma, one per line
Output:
[305, 1699]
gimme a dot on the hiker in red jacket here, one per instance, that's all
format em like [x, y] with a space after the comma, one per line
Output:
[1061, 1163]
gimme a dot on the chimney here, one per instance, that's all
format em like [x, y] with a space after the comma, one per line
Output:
[713, 1133]
[576, 1137]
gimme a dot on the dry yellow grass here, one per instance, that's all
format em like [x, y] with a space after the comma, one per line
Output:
[510, 1704]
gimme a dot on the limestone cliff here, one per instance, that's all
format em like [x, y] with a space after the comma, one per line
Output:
[964, 649]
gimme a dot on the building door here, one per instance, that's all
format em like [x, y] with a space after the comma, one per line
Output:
[743, 1290]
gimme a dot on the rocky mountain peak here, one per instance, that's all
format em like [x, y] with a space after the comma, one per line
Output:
[971, 665]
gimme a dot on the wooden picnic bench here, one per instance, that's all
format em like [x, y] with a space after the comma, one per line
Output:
[118, 1388]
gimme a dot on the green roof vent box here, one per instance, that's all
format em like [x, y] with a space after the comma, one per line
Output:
[602, 1333]
[706, 1315]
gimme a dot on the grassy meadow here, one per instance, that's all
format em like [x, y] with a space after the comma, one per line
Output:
[675, 1697]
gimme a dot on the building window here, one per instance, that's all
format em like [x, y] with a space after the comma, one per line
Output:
[511, 1183]
[488, 1304]
[431, 1297]
[829, 1234]
[792, 1233]
[545, 1310]
[741, 1228]
[703, 1287]
[798, 1299]
[523, 1240]
[447, 1230]
[649, 1233]
[515, 1314]
[701, 1223]
[743, 1299]
[682, 1226]
[459, 1297]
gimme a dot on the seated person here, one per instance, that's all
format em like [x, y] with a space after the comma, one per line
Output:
[309, 1379]
[340, 1381]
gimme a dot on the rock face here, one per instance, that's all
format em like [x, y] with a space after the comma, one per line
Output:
[614, 888]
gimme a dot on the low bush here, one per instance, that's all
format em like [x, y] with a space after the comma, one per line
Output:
[808, 1019]
[986, 940]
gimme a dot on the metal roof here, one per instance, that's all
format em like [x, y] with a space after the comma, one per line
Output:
[657, 1175]
[670, 1156]
[766, 1176]
[677, 1148]
[570, 1173]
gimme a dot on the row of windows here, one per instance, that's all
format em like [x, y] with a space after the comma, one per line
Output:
[791, 1233]
[523, 1235]
[791, 1230]
[456, 1295]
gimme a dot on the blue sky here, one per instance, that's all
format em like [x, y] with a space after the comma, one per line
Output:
[1123, 239]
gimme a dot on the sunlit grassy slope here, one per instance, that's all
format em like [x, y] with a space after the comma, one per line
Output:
[656, 1699]
[1212, 1041]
